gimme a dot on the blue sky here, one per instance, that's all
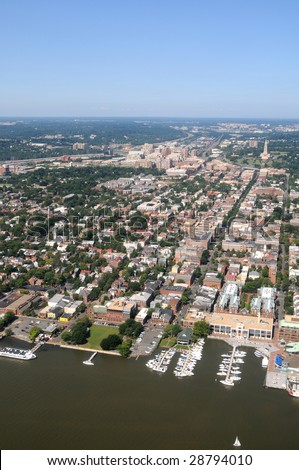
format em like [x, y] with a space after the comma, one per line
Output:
[221, 58]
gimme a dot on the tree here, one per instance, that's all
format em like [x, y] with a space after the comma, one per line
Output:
[66, 336]
[131, 328]
[8, 332]
[6, 320]
[34, 332]
[201, 328]
[111, 342]
[9, 317]
[125, 348]
[171, 330]
[205, 257]
[265, 271]
[186, 296]
[80, 331]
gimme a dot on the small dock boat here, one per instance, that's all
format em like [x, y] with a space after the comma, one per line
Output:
[237, 443]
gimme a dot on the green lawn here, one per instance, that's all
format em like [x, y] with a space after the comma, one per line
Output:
[167, 342]
[182, 346]
[97, 333]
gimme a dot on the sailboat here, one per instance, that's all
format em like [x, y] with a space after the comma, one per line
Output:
[237, 443]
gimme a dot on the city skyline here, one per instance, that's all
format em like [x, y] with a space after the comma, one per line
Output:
[178, 59]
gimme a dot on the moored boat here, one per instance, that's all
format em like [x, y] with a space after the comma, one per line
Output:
[24, 355]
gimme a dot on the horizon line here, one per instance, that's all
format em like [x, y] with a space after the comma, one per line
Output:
[147, 117]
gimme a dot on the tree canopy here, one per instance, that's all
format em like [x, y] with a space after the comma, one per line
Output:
[111, 342]
[201, 328]
[131, 328]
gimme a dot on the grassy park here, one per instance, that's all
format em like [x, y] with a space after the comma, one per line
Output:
[99, 332]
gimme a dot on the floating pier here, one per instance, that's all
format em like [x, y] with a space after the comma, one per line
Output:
[228, 380]
[89, 361]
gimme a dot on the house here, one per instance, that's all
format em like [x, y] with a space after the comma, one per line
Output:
[54, 313]
[253, 275]
[229, 299]
[162, 316]
[141, 299]
[289, 328]
[211, 280]
[16, 302]
[205, 299]
[174, 290]
[141, 315]
[193, 316]
[185, 336]
[118, 311]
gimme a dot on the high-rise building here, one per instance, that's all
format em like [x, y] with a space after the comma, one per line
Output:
[80, 146]
[253, 143]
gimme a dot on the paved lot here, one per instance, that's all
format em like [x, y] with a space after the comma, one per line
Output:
[23, 325]
[149, 341]
[276, 380]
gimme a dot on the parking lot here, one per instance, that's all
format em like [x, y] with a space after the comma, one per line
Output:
[23, 325]
[147, 341]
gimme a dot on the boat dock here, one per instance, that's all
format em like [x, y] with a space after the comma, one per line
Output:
[186, 363]
[227, 377]
[230, 367]
[161, 361]
[89, 361]
[37, 346]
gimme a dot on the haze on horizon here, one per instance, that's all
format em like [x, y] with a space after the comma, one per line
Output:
[174, 58]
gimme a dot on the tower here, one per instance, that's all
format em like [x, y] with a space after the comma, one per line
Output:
[265, 147]
[265, 155]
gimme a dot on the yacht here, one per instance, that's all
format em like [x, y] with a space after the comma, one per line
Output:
[24, 355]
[265, 362]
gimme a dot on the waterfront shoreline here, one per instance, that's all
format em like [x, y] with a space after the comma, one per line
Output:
[273, 379]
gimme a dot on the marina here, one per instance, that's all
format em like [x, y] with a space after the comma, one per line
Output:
[161, 361]
[105, 395]
[229, 367]
[187, 360]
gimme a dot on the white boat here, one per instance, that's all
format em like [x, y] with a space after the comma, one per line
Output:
[265, 362]
[24, 355]
[221, 373]
[235, 377]
[257, 353]
[229, 382]
[237, 443]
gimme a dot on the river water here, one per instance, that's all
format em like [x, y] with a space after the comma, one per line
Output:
[56, 402]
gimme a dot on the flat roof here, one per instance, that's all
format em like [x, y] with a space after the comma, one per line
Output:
[14, 300]
[248, 321]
